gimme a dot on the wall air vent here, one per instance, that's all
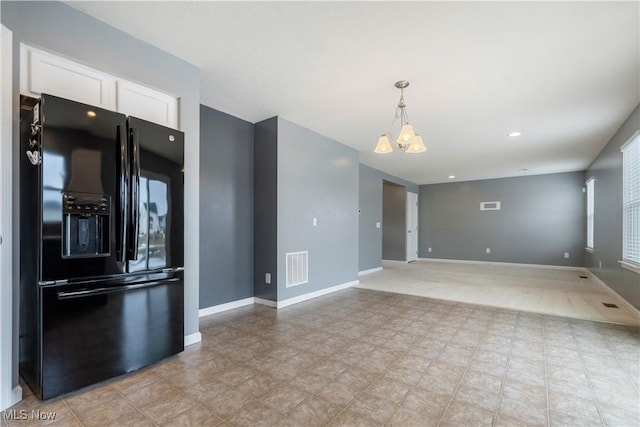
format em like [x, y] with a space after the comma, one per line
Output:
[490, 206]
[297, 268]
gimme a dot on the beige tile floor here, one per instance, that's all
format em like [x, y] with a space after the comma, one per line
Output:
[368, 358]
[538, 290]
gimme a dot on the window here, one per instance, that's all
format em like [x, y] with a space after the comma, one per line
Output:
[631, 203]
[590, 194]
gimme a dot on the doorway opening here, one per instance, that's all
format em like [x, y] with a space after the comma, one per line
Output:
[394, 222]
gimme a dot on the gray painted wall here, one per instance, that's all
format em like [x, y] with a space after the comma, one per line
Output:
[226, 208]
[607, 233]
[394, 222]
[542, 217]
[317, 178]
[265, 208]
[61, 29]
[370, 199]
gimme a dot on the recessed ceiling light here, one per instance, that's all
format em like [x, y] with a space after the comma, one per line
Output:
[91, 113]
[514, 134]
[451, 176]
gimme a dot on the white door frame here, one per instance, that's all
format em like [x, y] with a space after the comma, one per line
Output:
[8, 394]
[412, 226]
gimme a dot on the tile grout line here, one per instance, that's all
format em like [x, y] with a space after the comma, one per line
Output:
[455, 391]
[232, 414]
[316, 395]
[252, 398]
[365, 390]
[586, 373]
[338, 316]
[405, 352]
[72, 412]
[135, 406]
[161, 378]
[413, 387]
[546, 369]
[629, 376]
[359, 394]
[504, 376]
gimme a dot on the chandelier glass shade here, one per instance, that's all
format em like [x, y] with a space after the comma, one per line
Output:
[407, 141]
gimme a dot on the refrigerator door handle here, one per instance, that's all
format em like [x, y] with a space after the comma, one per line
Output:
[111, 290]
[123, 207]
[135, 194]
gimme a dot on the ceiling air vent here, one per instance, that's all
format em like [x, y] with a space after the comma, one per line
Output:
[297, 268]
[609, 305]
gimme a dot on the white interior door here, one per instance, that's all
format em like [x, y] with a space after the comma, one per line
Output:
[412, 227]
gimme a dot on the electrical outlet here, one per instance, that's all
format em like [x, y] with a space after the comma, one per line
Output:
[315, 222]
[377, 225]
[566, 254]
[429, 249]
[488, 250]
[267, 278]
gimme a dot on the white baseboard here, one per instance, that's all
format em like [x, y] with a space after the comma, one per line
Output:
[266, 302]
[192, 339]
[16, 395]
[506, 264]
[311, 295]
[617, 296]
[12, 397]
[369, 271]
[224, 307]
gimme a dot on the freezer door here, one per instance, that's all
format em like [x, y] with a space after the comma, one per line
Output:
[157, 201]
[81, 190]
[94, 332]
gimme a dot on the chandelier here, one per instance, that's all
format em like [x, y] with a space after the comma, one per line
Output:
[407, 141]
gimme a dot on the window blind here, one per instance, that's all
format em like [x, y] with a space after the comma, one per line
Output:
[631, 200]
[590, 212]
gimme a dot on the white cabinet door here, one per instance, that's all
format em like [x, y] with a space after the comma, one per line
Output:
[42, 72]
[147, 104]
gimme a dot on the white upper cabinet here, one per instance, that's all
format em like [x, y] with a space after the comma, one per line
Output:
[147, 104]
[43, 72]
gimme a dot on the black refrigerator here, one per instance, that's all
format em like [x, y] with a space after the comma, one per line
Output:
[101, 244]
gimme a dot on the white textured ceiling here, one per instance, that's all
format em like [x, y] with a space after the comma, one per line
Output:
[565, 74]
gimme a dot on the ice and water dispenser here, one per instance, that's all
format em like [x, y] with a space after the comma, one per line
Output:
[86, 221]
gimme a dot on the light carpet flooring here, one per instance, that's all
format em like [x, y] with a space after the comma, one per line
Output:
[538, 290]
